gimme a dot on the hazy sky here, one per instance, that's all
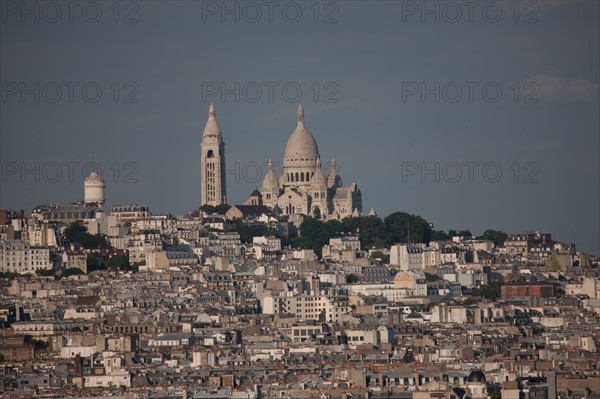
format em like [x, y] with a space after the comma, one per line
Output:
[390, 89]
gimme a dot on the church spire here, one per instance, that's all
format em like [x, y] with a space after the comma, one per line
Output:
[213, 190]
[212, 126]
[319, 178]
[270, 165]
[270, 186]
[301, 115]
[333, 179]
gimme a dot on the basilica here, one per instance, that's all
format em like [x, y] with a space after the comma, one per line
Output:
[302, 189]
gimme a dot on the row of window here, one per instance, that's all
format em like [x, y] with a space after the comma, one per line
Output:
[356, 338]
[299, 177]
[31, 251]
[69, 215]
[14, 264]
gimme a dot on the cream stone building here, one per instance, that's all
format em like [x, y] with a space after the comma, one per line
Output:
[214, 189]
[93, 190]
[303, 189]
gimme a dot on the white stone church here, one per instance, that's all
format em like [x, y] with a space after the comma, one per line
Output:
[303, 189]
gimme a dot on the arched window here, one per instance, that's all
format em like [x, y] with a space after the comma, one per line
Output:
[210, 154]
[297, 177]
[301, 176]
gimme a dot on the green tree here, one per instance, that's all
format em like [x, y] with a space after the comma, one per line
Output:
[498, 237]
[39, 344]
[555, 265]
[9, 275]
[317, 213]
[496, 394]
[432, 277]
[118, 262]
[94, 263]
[489, 291]
[352, 278]
[248, 231]
[370, 229]
[218, 209]
[44, 272]
[439, 235]
[314, 234]
[404, 227]
[72, 271]
[380, 255]
[76, 232]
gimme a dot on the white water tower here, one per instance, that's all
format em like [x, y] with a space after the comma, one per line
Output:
[93, 189]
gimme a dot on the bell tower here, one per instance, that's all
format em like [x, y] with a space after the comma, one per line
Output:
[213, 190]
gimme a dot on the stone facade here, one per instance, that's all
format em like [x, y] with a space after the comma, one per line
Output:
[213, 191]
[303, 189]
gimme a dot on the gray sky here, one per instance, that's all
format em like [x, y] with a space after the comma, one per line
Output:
[383, 62]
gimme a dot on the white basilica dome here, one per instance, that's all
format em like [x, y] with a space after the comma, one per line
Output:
[301, 143]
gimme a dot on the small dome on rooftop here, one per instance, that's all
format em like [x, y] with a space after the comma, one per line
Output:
[476, 376]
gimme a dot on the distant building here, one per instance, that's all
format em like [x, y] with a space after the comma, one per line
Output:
[93, 188]
[130, 212]
[75, 260]
[6, 215]
[266, 247]
[71, 213]
[17, 256]
[539, 290]
[247, 212]
[411, 257]
[213, 190]
[303, 189]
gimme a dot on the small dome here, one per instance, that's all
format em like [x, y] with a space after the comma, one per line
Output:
[270, 182]
[476, 376]
[319, 180]
[94, 177]
[333, 179]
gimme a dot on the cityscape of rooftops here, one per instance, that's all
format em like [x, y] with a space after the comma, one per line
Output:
[300, 199]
